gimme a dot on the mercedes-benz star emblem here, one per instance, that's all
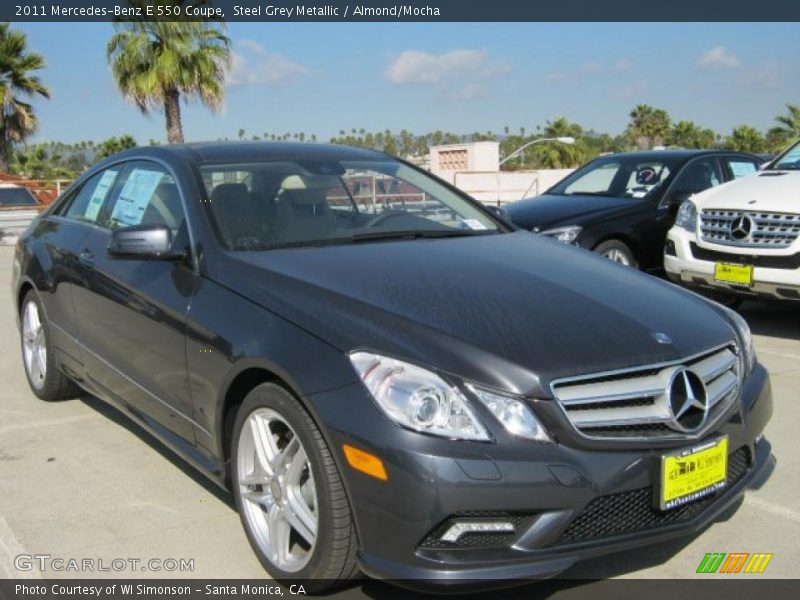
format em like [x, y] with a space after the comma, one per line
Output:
[661, 338]
[688, 400]
[741, 228]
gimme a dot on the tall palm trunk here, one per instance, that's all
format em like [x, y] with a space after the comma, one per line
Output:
[172, 111]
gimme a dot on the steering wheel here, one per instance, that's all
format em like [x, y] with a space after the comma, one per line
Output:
[384, 216]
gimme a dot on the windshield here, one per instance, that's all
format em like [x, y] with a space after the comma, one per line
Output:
[260, 206]
[789, 160]
[616, 176]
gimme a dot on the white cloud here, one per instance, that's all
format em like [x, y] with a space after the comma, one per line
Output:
[254, 65]
[589, 68]
[768, 75]
[459, 74]
[634, 90]
[718, 58]
[555, 77]
[622, 65]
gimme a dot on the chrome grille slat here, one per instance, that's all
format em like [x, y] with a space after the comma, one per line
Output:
[770, 230]
[582, 399]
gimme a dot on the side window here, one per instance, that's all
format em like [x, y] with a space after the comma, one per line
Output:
[148, 196]
[698, 175]
[741, 167]
[85, 205]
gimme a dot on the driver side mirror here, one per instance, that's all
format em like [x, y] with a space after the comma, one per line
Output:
[148, 242]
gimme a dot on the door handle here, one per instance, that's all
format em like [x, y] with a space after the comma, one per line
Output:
[86, 258]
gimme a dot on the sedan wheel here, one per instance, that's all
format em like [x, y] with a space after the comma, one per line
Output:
[618, 252]
[34, 345]
[289, 493]
[38, 356]
[277, 487]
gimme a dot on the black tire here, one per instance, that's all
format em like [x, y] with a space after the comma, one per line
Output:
[618, 251]
[55, 385]
[333, 557]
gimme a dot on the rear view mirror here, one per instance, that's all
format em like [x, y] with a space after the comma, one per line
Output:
[142, 241]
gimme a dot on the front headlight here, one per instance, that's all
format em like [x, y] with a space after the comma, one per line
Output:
[417, 398]
[746, 339]
[687, 216]
[513, 414]
[568, 235]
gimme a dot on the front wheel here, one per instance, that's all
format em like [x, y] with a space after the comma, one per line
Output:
[38, 357]
[618, 252]
[289, 494]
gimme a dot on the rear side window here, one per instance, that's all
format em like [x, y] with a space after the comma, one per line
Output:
[16, 196]
[86, 204]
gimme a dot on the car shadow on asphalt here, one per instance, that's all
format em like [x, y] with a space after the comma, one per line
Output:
[115, 415]
[774, 319]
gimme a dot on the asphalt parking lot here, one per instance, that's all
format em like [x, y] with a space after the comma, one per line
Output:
[79, 480]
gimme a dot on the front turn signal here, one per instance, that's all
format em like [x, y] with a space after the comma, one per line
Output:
[365, 462]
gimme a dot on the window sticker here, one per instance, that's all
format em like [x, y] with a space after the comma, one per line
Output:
[99, 194]
[135, 196]
[474, 224]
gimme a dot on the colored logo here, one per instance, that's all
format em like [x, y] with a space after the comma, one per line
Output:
[734, 562]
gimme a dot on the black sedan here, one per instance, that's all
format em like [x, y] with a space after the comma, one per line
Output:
[622, 205]
[385, 375]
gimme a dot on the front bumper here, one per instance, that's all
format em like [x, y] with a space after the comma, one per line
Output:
[683, 267]
[553, 491]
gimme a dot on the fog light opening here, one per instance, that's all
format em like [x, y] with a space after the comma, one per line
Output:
[455, 531]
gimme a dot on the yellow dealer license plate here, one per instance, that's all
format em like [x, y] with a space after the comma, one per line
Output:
[689, 474]
[736, 274]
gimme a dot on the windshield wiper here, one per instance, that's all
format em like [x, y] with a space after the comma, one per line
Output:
[369, 236]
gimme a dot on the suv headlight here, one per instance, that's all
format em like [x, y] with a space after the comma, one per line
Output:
[513, 414]
[687, 216]
[745, 339]
[568, 235]
[417, 398]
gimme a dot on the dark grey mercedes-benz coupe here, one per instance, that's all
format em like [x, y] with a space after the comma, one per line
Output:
[386, 376]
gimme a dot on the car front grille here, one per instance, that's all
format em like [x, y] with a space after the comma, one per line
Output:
[631, 511]
[761, 229]
[635, 403]
[792, 261]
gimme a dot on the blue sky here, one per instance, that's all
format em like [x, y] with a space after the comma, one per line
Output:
[320, 78]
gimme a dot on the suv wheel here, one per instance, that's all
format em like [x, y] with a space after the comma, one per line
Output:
[618, 252]
[289, 494]
[38, 357]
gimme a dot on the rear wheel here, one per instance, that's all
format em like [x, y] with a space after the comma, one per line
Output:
[38, 358]
[617, 251]
[289, 494]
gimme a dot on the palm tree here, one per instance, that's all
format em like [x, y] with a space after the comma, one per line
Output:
[790, 123]
[648, 126]
[745, 139]
[17, 119]
[156, 62]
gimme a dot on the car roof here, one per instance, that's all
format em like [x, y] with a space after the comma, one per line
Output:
[677, 153]
[252, 151]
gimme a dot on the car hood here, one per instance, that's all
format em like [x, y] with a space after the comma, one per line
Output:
[777, 191]
[512, 311]
[546, 211]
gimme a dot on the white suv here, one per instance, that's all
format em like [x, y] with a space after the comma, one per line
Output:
[742, 238]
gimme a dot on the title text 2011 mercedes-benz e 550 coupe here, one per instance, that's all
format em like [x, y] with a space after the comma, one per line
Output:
[386, 376]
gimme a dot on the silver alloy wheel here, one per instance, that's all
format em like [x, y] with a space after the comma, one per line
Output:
[34, 345]
[276, 484]
[618, 256]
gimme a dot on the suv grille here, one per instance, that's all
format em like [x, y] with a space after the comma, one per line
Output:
[759, 229]
[633, 511]
[792, 261]
[635, 403]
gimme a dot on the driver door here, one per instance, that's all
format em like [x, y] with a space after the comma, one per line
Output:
[132, 312]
